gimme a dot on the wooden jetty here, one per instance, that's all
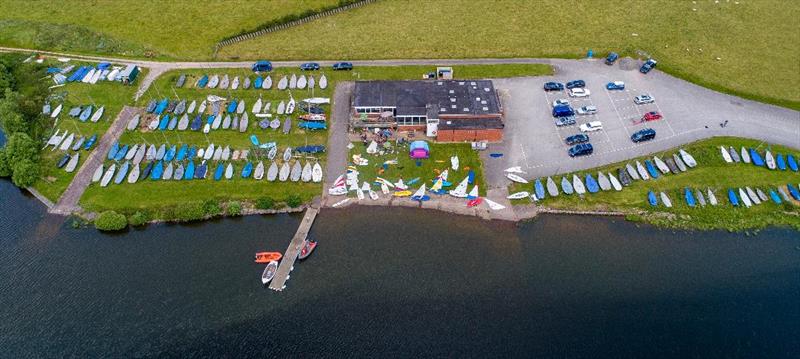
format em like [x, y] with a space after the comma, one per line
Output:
[287, 263]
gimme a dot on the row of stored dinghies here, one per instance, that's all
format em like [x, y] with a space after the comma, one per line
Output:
[66, 142]
[187, 170]
[742, 196]
[83, 112]
[225, 82]
[138, 152]
[751, 155]
[606, 181]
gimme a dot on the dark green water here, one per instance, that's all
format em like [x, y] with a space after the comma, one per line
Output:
[395, 283]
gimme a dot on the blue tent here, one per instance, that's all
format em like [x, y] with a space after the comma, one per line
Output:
[419, 149]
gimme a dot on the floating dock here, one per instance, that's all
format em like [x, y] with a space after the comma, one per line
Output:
[287, 263]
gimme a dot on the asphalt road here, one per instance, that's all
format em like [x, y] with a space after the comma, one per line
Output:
[690, 112]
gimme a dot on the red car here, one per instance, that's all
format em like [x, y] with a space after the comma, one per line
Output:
[651, 116]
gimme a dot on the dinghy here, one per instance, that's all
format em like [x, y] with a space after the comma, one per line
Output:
[316, 173]
[302, 82]
[552, 189]
[282, 83]
[661, 165]
[235, 83]
[591, 184]
[258, 83]
[774, 197]
[219, 171]
[323, 82]
[732, 198]
[734, 155]
[269, 272]
[293, 82]
[790, 160]
[793, 191]
[209, 152]
[494, 205]
[162, 151]
[76, 145]
[538, 189]
[240, 107]
[752, 195]
[614, 182]
[244, 123]
[281, 108]
[770, 160]
[257, 106]
[108, 175]
[761, 195]
[577, 185]
[229, 171]
[247, 170]
[283, 174]
[519, 195]
[98, 174]
[272, 152]
[308, 247]
[226, 123]
[420, 195]
[267, 84]
[272, 173]
[56, 112]
[311, 82]
[189, 172]
[173, 122]
[631, 171]
[725, 155]
[180, 108]
[306, 174]
[603, 181]
[183, 124]
[700, 198]
[217, 154]
[168, 172]
[651, 198]
[679, 162]
[297, 171]
[258, 174]
[287, 154]
[642, 172]
[202, 108]
[213, 82]
[246, 83]
[745, 156]
[516, 178]
[120, 153]
[67, 142]
[290, 106]
[712, 199]
[566, 186]
[460, 191]
[780, 162]
[672, 166]
[226, 153]
[134, 175]
[783, 194]
[133, 123]
[755, 157]
[85, 113]
[665, 200]
[745, 199]
[90, 142]
[73, 162]
[651, 169]
[687, 158]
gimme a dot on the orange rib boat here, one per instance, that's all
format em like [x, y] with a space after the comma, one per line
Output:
[266, 257]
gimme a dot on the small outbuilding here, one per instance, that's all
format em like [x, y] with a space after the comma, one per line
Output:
[419, 150]
[128, 75]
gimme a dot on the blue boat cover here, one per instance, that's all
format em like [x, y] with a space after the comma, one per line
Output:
[170, 154]
[591, 184]
[312, 125]
[88, 144]
[732, 198]
[158, 170]
[189, 172]
[112, 152]
[161, 106]
[650, 169]
[689, 196]
[231, 106]
[775, 197]
[651, 198]
[182, 152]
[780, 162]
[756, 158]
[539, 188]
[310, 149]
[218, 172]
[121, 153]
[794, 192]
[248, 168]
[792, 162]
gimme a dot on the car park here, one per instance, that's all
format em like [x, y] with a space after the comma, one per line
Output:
[563, 110]
[565, 121]
[308, 66]
[576, 83]
[616, 85]
[651, 116]
[587, 110]
[643, 135]
[611, 58]
[591, 126]
[553, 86]
[576, 139]
[647, 66]
[561, 102]
[643, 99]
[343, 66]
[581, 149]
[579, 92]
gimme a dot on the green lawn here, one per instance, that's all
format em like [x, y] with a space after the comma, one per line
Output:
[712, 172]
[755, 41]
[407, 169]
[168, 29]
[112, 95]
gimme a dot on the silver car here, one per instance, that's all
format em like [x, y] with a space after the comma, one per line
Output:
[587, 110]
[643, 99]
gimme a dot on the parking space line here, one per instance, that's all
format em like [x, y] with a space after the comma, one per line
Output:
[619, 116]
[664, 118]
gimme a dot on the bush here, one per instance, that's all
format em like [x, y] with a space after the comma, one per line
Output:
[138, 219]
[234, 208]
[5, 166]
[110, 221]
[190, 212]
[263, 203]
[25, 173]
[293, 201]
[211, 208]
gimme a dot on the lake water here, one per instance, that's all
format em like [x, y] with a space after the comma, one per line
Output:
[395, 282]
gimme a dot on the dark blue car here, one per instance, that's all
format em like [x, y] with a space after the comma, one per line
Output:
[647, 66]
[643, 135]
[262, 66]
[611, 58]
[308, 66]
[576, 83]
[581, 149]
[342, 66]
[576, 139]
[553, 86]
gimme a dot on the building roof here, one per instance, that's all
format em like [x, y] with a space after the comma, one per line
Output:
[427, 97]
[472, 124]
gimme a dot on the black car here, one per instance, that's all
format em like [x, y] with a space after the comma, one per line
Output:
[643, 135]
[576, 139]
[581, 149]
[576, 83]
[611, 58]
[565, 121]
[553, 86]
[343, 66]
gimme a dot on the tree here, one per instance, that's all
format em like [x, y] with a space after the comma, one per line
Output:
[25, 173]
[5, 166]
[6, 78]
[14, 122]
[21, 147]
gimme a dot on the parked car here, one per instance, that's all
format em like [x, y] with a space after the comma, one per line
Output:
[561, 102]
[563, 110]
[616, 85]
[651, 116]
[581, 149]
[592, 126]
[587, 110]
[611, 58]
[308, 66]
[647, 66]
[342, 66]
[565, 121]
[579, 92]
[643, 99]
[643, 135]
[553, 86]
[576, 83]
[576, 139]
[261, 66]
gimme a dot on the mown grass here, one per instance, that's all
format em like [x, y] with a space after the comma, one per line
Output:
[729, 46]
[407, 169]
[167, 29]
[159, 197]
[712, 172]
[112, 95]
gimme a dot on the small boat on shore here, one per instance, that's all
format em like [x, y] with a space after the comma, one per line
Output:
[732, 198]
[651, 198]
[566, 186]
[552, 189]
[266, 257]
[679, 162]
[269, 272]
[661, 165]
[725, 154]
[687, 158]
[577, 185]
[308, 247]
[734, 155]
[642, 171]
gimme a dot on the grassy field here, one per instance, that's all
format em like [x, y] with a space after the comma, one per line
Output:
[407, 169]
[168, 29]
[728, 46]
[112, 95]
[148, 194]
[712, 172]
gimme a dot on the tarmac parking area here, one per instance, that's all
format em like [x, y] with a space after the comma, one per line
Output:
[689, 112]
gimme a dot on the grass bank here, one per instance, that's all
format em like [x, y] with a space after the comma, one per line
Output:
[112, 95]
[727, 46]
[407, 168]
[711, 172]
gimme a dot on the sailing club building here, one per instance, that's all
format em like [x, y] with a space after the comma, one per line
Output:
[447, 110]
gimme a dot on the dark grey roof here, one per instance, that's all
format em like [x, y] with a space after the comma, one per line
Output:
[471, 124]
[447, 97]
